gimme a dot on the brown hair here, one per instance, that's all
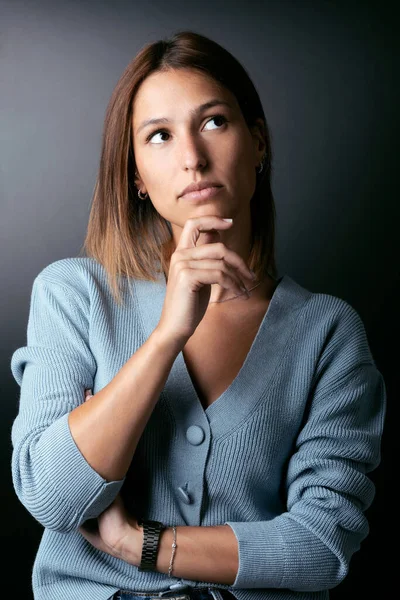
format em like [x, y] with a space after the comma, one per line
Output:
[127, 235]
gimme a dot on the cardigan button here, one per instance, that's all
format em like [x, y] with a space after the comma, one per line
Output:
[179, 586]
[184, 496]
[195, 435]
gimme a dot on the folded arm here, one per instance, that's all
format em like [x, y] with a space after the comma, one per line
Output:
[308, 547]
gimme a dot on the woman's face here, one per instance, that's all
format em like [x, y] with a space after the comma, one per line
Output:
[193, 146]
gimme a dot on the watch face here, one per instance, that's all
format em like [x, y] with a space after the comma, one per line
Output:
[150, 523]
[157, 523]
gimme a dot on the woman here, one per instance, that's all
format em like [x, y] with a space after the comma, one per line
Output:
[179, 436]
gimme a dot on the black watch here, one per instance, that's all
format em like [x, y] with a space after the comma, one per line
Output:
[151, 538]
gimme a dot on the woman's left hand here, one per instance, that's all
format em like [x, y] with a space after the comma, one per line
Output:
[117, 533]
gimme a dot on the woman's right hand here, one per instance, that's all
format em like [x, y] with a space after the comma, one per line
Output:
[192, 270]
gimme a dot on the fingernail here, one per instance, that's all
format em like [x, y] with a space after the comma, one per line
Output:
[228, 220]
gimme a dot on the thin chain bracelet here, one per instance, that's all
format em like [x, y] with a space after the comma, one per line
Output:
[173, 552]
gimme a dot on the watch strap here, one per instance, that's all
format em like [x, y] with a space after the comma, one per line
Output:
[151, 539]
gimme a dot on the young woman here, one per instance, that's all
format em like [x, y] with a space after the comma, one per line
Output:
[187, 427]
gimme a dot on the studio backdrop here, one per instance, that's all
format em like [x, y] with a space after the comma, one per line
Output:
[324, 74]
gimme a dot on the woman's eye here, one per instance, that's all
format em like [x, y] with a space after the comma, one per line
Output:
[163, 132]
[218, 118]
[154, 135]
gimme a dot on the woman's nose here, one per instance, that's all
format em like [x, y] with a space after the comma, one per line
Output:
[193, 156]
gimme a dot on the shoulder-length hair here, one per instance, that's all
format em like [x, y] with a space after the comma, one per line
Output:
[127, 236]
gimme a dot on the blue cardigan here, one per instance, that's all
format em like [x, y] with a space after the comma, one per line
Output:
[281, 456]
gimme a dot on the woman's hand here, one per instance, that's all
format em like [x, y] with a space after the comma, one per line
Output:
[192, 271]
[116, 533]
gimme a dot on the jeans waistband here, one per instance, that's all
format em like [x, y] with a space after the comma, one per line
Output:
[184, 593]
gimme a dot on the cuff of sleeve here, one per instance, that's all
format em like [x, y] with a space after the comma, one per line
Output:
[75, 481]
[261, 554]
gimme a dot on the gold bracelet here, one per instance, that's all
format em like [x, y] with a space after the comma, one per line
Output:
[174, 545]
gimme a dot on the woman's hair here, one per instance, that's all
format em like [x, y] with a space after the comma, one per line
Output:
[128, 235]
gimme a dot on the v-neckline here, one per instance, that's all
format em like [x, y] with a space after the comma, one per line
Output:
[250, 385]
[256, 342]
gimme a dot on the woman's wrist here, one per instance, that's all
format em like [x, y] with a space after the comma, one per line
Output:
[132, 545]
[131, 548]
[164, 550]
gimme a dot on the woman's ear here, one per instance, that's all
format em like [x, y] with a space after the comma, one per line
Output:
[138, 182]
[258, 133]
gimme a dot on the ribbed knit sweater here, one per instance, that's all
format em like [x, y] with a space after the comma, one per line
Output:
[282, 456]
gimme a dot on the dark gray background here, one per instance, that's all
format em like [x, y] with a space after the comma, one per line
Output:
[325, 74]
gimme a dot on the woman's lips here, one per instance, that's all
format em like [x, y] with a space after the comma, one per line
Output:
[202, 194]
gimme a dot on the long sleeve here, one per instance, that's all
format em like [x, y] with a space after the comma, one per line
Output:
[51, 477]
[309, 546]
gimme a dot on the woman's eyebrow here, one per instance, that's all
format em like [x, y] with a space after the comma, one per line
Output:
[192, 113]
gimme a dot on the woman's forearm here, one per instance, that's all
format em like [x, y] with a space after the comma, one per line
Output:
[202, 554]
[107, 427]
